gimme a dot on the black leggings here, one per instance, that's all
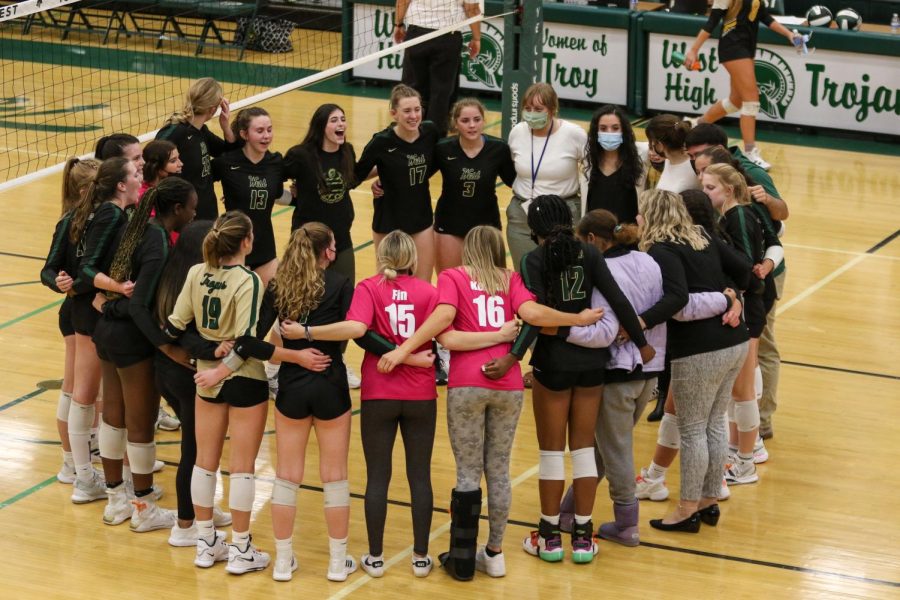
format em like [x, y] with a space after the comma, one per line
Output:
[176, 384]
[379, 421]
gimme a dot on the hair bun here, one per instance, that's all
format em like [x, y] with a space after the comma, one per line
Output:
[389, 273]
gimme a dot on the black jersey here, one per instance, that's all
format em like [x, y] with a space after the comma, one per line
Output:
[749, 235]
[62, 255]
[740, 27]
[404, 169]
[469, 189]
[197, 148]
[573, 294]
[253, 188]
[331, 205]
[333, 308]
[96, 248]
[612, 192]
[129, 325]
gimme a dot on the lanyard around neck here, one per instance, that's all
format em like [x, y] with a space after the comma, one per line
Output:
[534, 171]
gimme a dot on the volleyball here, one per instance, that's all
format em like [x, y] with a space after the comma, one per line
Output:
[819, 16]
[848, 20]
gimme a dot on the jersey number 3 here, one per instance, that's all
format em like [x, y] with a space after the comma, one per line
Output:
[212, 310]
[403, 320]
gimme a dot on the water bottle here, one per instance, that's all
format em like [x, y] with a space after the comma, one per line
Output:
[633, 5]
[895, 23]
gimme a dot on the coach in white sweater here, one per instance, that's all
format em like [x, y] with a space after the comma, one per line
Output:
[549, 155]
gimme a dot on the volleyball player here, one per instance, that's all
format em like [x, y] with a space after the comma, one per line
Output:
[252, 181]
[737, 52]
[222, 297]
[197, 145]
[403, 158]
[161, 159]
[60, 266]
[96, 220]
[126, 339]
[470, 163]
[122, 145]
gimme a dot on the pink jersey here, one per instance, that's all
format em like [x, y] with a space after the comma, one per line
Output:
[393, 310]
[476, 311]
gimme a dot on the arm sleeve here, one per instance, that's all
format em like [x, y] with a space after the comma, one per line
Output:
[248, 346]
[154, 251]
[765, 17]
[98, 237]
[267, 313]
[603, 280]
[507, 167]
[602, 333]
[183, 312]
[703, 305]
[715, 15]
[56, 258]
[736, 266]
[530, 271]
[367, 160]
[675, 288]
[196, 345]
[374, 343]
[217, 145]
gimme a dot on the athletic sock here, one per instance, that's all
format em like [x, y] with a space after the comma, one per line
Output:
[206, 530]
[582, 520]
[554, 520]
[656, 472]
[284, 548]
[240, 538]
[492, 553]
[745, 457]
[67, 459]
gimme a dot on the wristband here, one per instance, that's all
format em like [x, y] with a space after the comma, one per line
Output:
[308, 333]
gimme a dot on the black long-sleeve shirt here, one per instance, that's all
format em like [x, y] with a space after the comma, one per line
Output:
[96, 247]
[62, 255]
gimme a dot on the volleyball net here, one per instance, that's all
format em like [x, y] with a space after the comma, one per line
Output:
[74, 71]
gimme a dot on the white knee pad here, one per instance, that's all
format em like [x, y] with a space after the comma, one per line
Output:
[284, 492]
[669, 436]
[552, 465]
[203, 487]
[749, 109]
[141, 456]
[583, 463]
[337, 493]
[112, 441]
[746, 415]
[243, 488]
[62, 406]
[758, 382]
[81, 418]
[729, 411]
[729, 106]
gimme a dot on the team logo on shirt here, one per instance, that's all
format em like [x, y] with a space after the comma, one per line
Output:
[334, 183]
[776, 83]
[487, 67]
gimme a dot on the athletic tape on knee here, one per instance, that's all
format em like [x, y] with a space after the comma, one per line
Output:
[141, 456]
[81, 418]
[746, 415]
[337, 493]
[758, 383]
[729, 411]
[112, 441]
[203, 487]
[749, 109]
[552, 466]
[243, 488]
[729, 106]
[62, 406]
[284, 492]
[583, 463]
[669, 436]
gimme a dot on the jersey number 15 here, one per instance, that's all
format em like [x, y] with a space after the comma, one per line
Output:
[403, 320]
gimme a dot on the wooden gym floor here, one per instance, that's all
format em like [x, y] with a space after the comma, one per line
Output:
[818, 524]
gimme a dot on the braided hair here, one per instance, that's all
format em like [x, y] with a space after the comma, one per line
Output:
[550, 220]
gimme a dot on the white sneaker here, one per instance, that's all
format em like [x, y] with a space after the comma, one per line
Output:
[755, 156]
[741, 472]
[421, 565]
[165, 421]
[495, 566]
[284, 568]
[373, 565]
[353, 379]
[760, 454]
[724, 492]
[148, 516]
[118, 509]
[183, 537]
[209, 554]
[84, 492]
[652, 489]
[245, 560]
[221, 518]
[339, 570]
[66, 473]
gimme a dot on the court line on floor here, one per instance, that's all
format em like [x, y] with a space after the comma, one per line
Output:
[32, 313]
[840, 369]
[836, 251]
[16, 283]
[17, 255]
[28, 492]
[22, 399]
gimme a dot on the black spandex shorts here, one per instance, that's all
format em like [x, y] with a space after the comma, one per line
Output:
[755, 314]
[120, 342]
[84, 316]
[66, 327]
[736, 45]
[558, 381]
[242, 392]
[458, 222]
[315, 395]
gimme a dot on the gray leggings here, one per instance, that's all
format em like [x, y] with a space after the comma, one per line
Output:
[620, 411]
[701, 385]
[482, 425]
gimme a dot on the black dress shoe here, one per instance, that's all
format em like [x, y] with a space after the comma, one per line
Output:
[710, 515]
[689, 525]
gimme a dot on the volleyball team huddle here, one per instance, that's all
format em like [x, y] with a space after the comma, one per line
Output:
[630, 270]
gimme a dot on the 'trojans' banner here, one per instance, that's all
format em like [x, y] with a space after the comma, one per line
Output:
[582, 63]
[825, 89]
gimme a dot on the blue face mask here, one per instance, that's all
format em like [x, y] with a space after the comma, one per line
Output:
[609, 141]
